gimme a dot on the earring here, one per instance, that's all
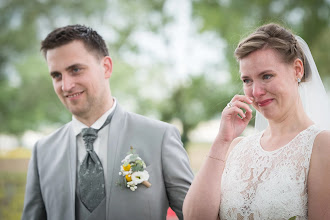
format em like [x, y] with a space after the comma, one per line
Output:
[299, 80]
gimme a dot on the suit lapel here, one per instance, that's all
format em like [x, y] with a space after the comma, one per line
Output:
[115, 132]
[73, 169]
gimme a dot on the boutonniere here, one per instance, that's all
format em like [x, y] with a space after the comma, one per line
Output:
[133, 171]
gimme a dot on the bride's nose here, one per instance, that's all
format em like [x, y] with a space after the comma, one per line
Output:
[258, 89]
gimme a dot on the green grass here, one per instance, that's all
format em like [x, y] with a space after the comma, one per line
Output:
[12, 189]
[197, 153]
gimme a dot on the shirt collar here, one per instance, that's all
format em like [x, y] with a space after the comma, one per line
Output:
[78, 125]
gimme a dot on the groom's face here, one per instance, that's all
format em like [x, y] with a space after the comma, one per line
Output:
[80, 79]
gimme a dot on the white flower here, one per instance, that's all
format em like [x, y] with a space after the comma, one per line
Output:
[120, 173]
[127, 173]
[126, 159]
[131, 183]
[132, 188]
[138, 177]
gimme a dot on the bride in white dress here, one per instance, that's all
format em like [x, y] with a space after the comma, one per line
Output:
[283, 171]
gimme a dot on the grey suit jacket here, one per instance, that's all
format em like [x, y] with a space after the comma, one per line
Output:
[51, 178]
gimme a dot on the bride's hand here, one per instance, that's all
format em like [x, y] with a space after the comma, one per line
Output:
[233, 119]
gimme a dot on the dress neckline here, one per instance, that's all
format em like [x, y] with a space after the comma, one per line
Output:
[284, 146]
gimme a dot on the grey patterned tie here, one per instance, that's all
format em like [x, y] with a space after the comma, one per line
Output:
[91, 176]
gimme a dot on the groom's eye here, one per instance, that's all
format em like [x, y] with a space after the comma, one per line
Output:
[56, 75]
[246, 81]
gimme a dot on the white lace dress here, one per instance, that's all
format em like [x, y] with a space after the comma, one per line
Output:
[259, 184]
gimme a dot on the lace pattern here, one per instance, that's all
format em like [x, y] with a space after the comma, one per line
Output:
[259, 184]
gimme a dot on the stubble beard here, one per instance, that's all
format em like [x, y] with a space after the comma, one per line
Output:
[80, 109]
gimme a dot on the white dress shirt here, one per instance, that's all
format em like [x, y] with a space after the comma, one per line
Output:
[101, 142]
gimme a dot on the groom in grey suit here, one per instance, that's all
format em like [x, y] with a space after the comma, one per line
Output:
[80, 68]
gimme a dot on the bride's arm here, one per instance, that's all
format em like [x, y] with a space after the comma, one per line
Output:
[203, 198]
[319, 178]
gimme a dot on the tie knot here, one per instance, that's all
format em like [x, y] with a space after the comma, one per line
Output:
[89, 135]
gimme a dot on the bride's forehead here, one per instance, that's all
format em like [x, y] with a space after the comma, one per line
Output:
[264, 54]
[260, 59]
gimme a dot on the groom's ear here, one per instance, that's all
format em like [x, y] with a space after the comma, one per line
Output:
[107, 65]
[298, 68]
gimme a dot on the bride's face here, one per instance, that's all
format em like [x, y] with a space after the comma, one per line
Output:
[271, 82]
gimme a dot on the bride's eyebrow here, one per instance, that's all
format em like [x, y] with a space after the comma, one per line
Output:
[265, 72]
[259, 74]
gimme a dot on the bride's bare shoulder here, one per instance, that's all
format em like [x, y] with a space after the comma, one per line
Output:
[322, 144]
[322, 139]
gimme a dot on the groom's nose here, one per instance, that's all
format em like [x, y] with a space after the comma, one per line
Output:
[67, 83]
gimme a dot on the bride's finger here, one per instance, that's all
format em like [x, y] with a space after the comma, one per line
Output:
[248, 115]
[242, 105]
[242, 98]
[234, 110]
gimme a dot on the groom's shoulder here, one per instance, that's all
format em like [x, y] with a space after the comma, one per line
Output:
[58, 134]
[145, 121]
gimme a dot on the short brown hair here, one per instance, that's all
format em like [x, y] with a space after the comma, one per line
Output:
[275, 37]
[64, 35]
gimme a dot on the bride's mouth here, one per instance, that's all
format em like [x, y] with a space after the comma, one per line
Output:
[264, 102]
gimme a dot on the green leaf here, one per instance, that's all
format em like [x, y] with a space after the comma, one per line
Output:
[131, 151]
[293, 218]
[133, 158]
[137, 167]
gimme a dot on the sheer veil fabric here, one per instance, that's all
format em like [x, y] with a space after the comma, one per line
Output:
[312, 93]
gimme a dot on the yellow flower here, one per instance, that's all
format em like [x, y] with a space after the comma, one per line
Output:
[127, 167]
[128, 178]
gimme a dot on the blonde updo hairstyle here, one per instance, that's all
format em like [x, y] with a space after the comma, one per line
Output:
[275, 37]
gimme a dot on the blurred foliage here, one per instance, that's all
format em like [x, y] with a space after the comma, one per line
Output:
[235, 19]
[34, 100]
[195, 101]
[12, 189]
[18, 153]
[27, 99]
[320, 49]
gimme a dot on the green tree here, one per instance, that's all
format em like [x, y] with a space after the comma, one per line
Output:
[197, 100]
[233, 19]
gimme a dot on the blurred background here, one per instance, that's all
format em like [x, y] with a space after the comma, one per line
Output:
[173, 61]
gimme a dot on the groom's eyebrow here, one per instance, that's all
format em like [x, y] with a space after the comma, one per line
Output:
[244, 76]
[73, 66]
